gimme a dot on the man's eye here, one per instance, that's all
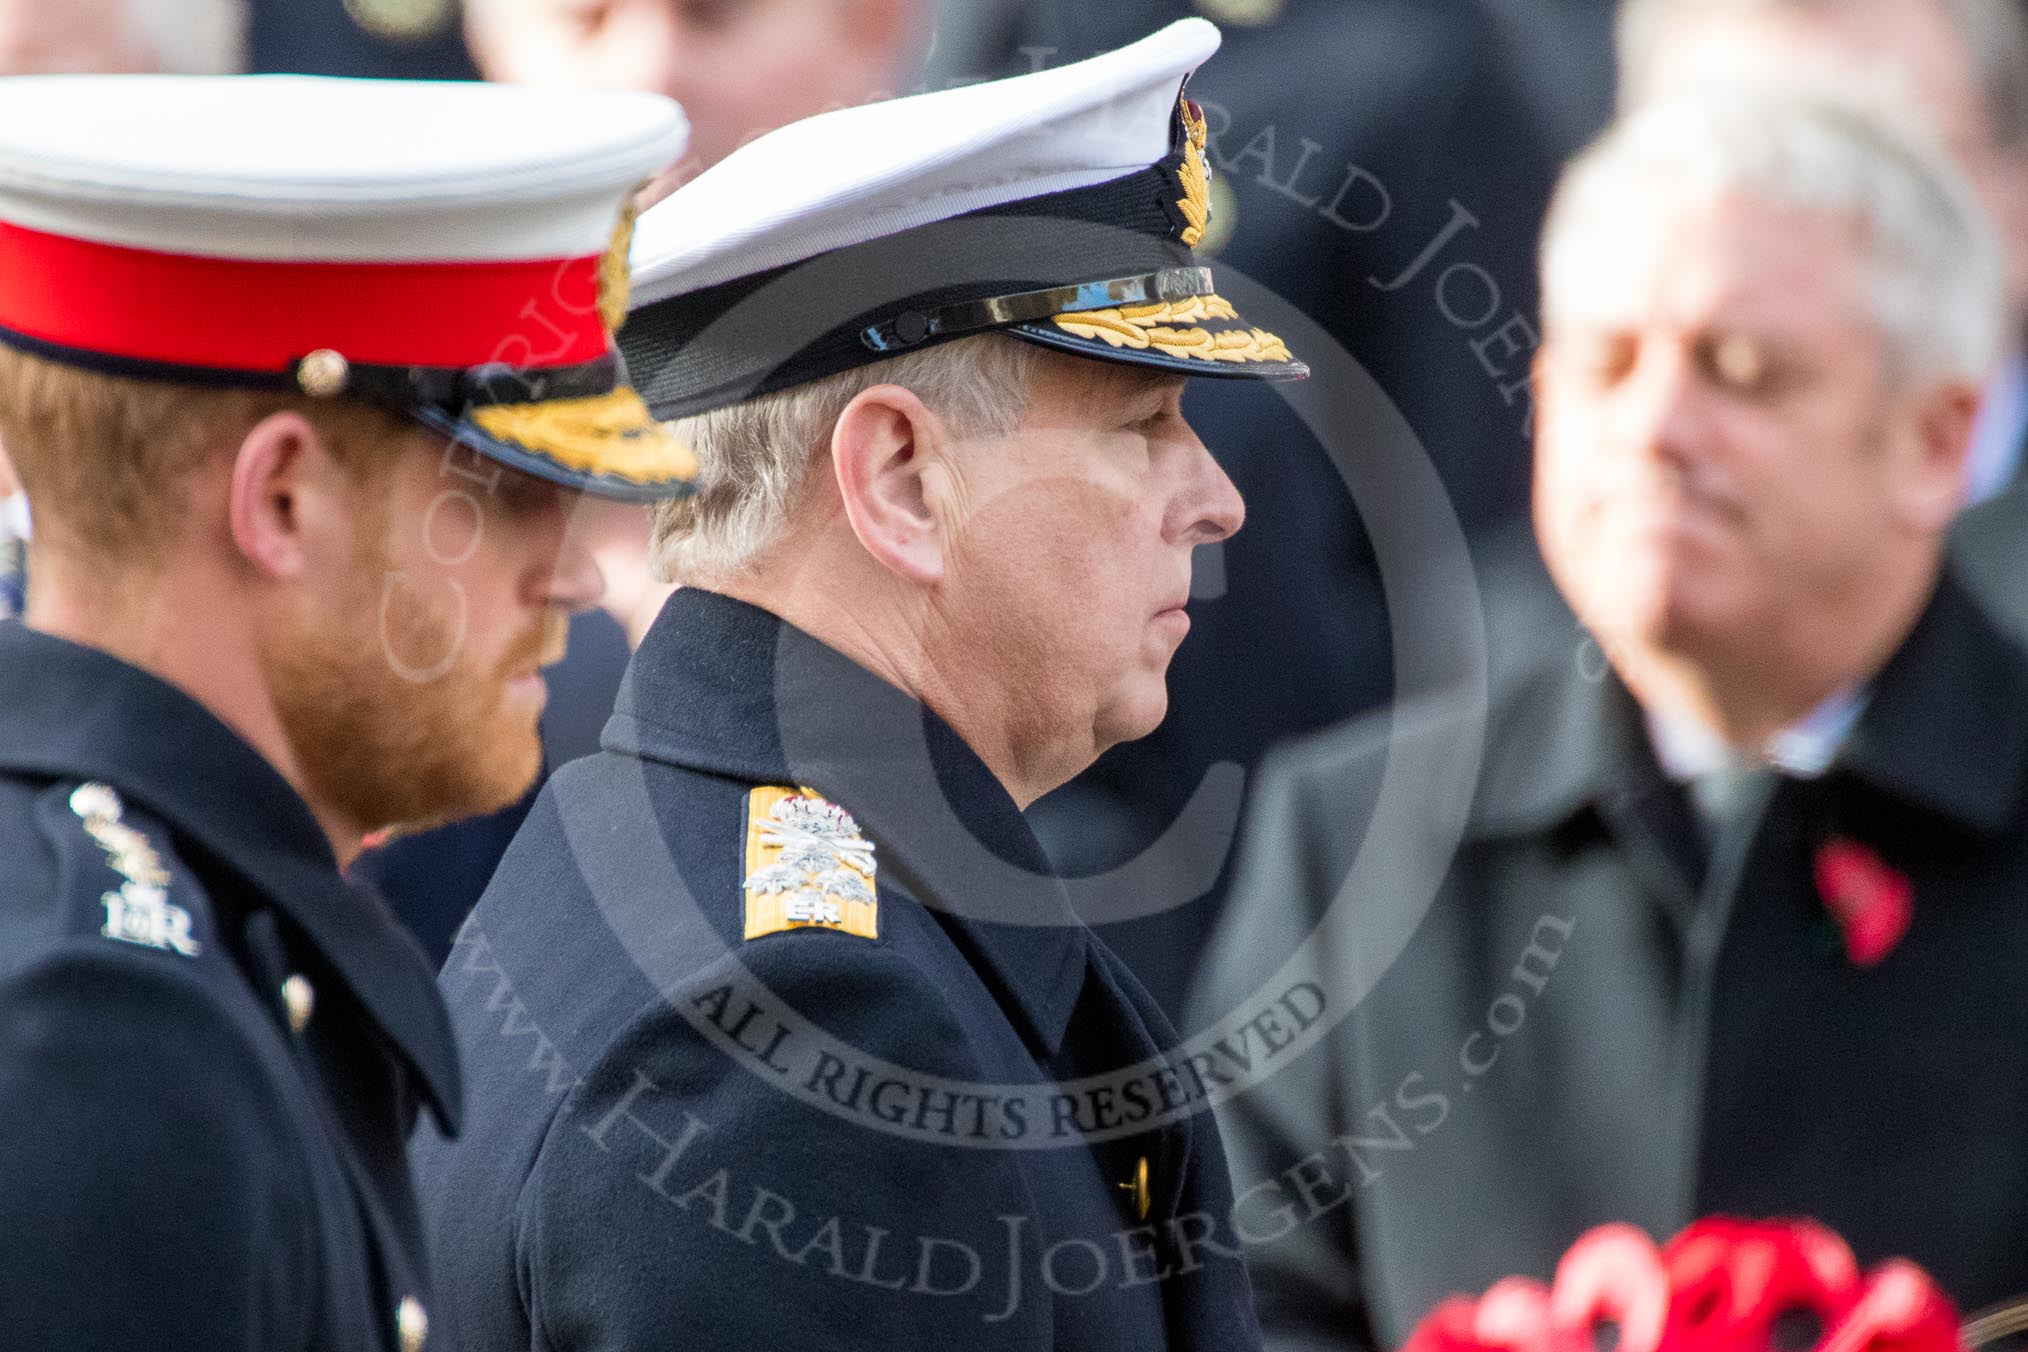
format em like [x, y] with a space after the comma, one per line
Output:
[1602, 361]
[1741, 363]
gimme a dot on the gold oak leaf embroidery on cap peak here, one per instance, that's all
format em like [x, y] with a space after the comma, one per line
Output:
[1142, 327]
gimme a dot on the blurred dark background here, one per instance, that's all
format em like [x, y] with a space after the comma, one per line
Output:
[407, 39]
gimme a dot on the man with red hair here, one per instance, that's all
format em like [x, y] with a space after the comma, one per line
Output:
[304, 421]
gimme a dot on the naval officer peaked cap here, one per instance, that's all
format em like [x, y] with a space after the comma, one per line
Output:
[454, 251]
[1061, 207]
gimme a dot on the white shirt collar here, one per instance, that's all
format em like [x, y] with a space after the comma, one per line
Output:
[14, 517]
[1688, 750]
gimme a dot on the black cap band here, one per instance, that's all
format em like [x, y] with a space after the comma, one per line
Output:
[912, 327]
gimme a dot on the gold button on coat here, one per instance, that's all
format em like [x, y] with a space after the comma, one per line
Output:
[1143, 1195]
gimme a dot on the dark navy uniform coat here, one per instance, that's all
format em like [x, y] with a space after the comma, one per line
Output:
[683, 1137]
[211, 1048]
[1602, 1018]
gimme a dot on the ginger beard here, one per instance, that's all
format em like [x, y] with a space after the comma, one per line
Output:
[395, 714]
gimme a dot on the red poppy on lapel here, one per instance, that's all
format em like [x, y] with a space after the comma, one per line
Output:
[1871, 902]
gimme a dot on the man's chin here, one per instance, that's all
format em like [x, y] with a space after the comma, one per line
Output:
[475, 788]
[1136, 717]
[1679, 624]
[494, 791]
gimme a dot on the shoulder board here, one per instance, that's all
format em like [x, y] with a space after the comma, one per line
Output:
[138, 909]
[807, 866]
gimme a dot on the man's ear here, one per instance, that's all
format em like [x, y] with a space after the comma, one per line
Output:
[1935, 461]
[888, 456]
[290, 498]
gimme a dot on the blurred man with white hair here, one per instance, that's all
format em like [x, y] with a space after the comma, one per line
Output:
[1729, 920]
[1963, 66]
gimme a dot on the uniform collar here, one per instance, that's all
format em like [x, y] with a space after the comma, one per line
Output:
[70, 711]
[727, 688]
[1944, 727]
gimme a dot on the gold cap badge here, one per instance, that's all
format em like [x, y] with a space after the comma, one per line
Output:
[1195, 173]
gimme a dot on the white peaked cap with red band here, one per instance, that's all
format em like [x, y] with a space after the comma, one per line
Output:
[456, 251]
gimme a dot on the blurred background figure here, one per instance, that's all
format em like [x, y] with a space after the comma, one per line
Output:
[1383, 166]
[408, 39]
[191, 37]
[1963, 65]
[739, 68]
[1958, 63]
[1734, 925]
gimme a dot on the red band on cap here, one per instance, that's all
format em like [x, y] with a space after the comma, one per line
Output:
[260, 316]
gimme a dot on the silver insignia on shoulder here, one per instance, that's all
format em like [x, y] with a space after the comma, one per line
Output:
[96, 801]
[140, 912]
[807, 864]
